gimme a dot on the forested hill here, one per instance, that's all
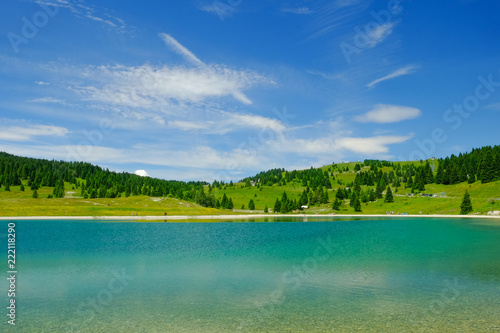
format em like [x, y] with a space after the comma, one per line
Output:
[364, 182]
[482, 164]
[93, 181]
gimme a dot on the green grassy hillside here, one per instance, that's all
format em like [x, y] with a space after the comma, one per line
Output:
[445, 199]
[484, 196]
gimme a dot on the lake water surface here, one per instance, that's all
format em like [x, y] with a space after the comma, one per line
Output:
[362, 275]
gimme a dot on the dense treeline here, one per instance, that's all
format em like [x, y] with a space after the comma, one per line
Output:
[310, 177]
[269, 178]
[93, 181]
[481, 164]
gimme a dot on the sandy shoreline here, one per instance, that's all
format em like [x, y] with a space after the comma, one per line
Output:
[229, 217]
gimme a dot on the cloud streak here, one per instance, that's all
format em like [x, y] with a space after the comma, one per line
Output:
[229, 122]
[299, 11]
[399, 72]
[19, 133]
[180, 49]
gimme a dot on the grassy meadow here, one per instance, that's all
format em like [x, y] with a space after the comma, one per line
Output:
[17, 203]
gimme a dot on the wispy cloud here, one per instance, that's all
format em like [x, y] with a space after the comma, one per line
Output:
[399, 72]
[229, 122]
[380, 33]
[47, 100]
[153, 87]
[299, 11]
[26, 133]
[81, 9]
[495, 107]
[384, 114]
[218, 8]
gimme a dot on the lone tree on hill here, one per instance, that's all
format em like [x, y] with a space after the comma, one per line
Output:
[336, 204]
[355, 202]
[466, 206]
[251, 205]
[388, 195]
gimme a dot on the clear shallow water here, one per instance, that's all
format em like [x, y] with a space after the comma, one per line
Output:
[400, 275]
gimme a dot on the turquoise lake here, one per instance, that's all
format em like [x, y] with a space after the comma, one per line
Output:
[343, 275]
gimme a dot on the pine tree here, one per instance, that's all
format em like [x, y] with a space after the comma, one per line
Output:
[462, 176]
[354, 199]
[372, 195]
[466, 206]
[440, 174]
[22, 188]
[409, 183]
[487, 168]
[266, 210]
[379, 189]
[251, 205]
[336, 204]
[355, 203]
[365, 196]
[326, 199]
[224, 202]
[277, 206]
[388, 195]
[35, 194]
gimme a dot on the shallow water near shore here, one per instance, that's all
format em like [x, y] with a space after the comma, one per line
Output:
[349, 275]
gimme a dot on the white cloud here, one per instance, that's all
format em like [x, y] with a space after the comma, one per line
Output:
[373, 145]
[383, 114]
[399, 72]
[42, 83]
[300, 11]
[18, 133]
[335, 145]
[141, 173]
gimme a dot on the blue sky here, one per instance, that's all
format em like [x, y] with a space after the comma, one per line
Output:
[203, 89]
